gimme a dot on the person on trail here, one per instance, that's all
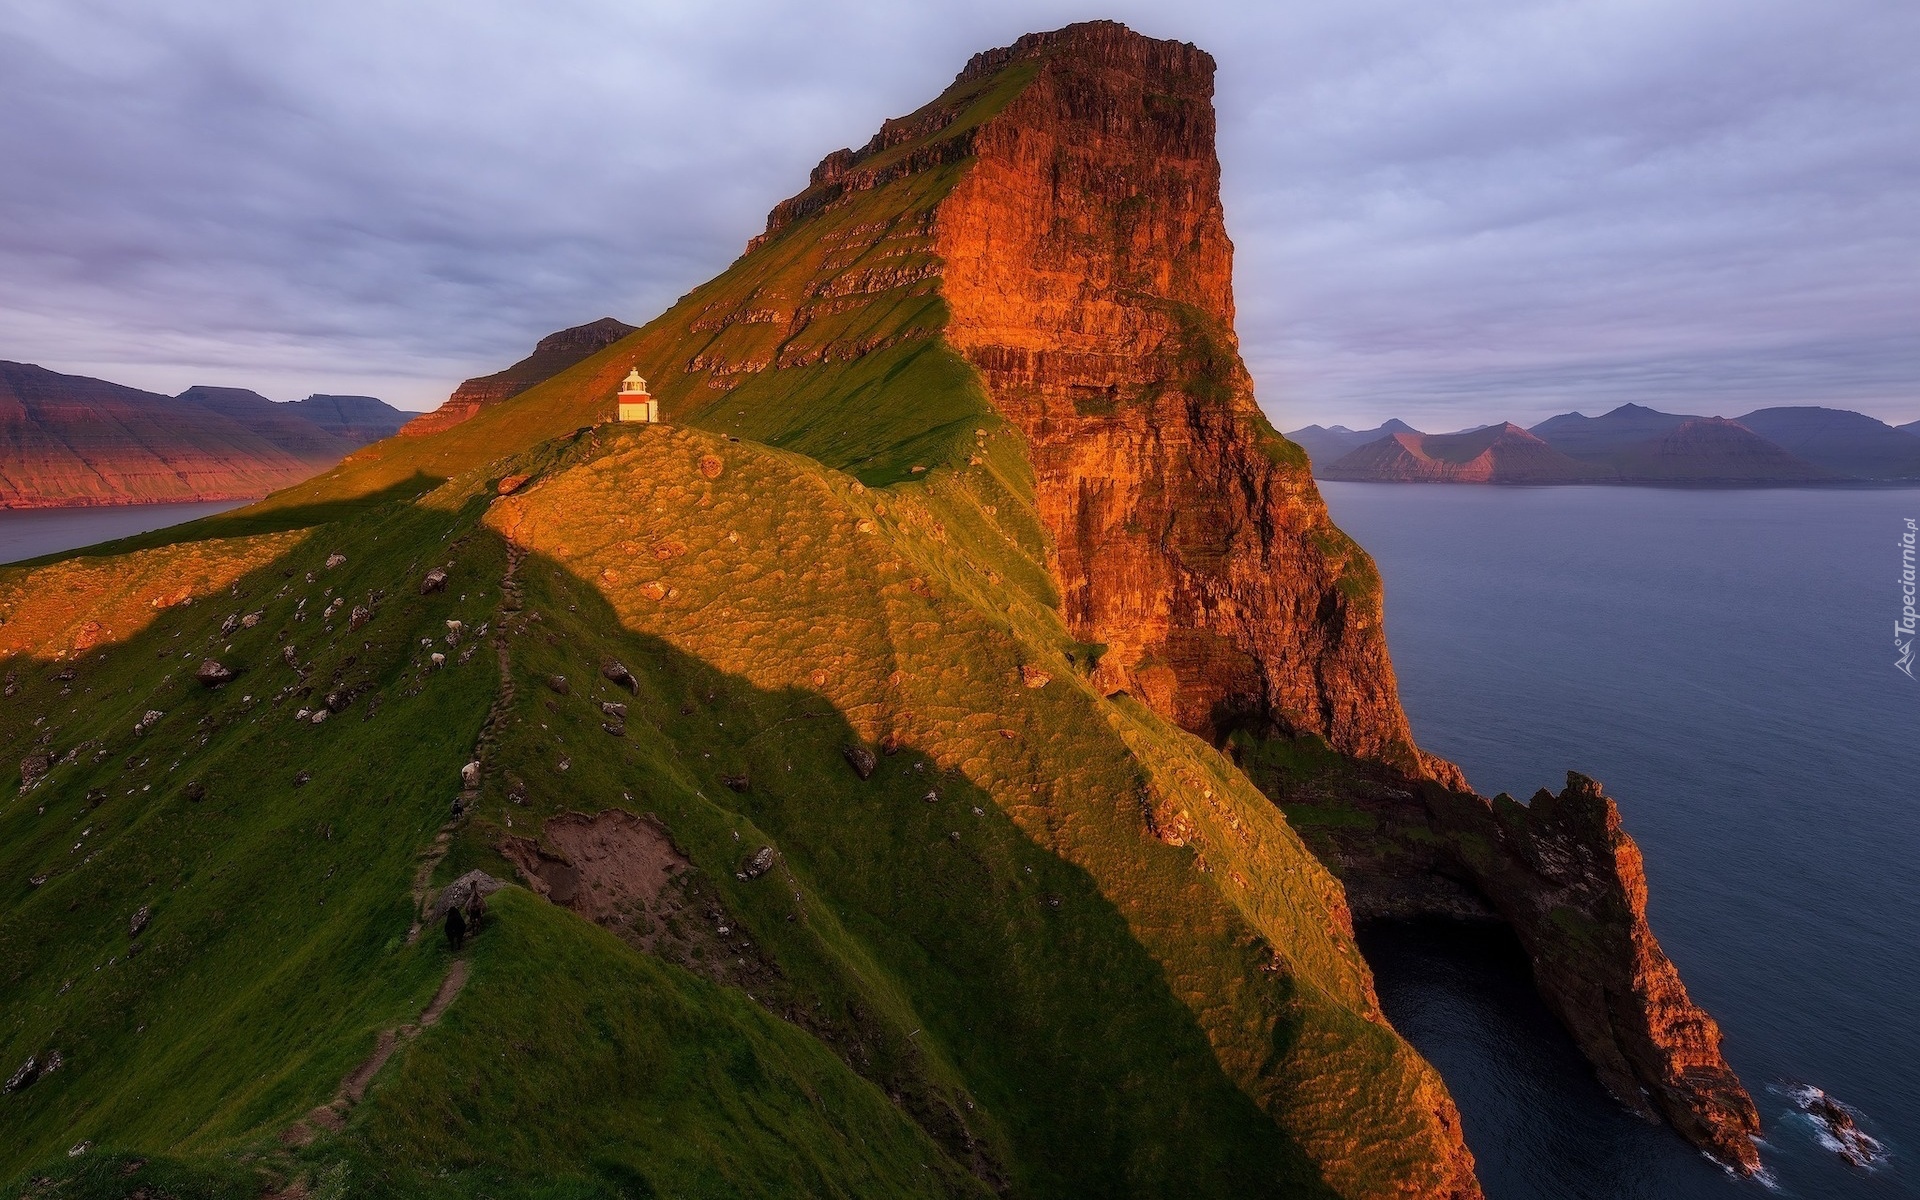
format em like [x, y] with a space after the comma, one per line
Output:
[456, 928]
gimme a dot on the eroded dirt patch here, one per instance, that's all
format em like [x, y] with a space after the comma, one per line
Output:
[625, 873]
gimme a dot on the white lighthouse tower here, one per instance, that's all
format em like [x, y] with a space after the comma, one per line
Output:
[635, 402]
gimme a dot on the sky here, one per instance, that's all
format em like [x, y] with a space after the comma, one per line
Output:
[1452, 213]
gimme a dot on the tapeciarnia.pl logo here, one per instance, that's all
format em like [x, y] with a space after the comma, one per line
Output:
[1903, 628]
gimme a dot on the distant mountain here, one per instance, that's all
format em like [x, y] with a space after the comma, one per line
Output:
[281, 424]
[1599, 439]
[67, 440]
[551, 355]
[1842, 442]
[1502, 453]
[1912, 427]
[1325, 444]
[358, 419]
[1713, 450]
[1637, 444]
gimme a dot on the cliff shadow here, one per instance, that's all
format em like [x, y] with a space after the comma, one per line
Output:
[945, 956]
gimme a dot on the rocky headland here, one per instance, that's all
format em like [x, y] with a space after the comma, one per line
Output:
[910, 745]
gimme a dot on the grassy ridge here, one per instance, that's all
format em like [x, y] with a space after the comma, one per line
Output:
[1051, 944]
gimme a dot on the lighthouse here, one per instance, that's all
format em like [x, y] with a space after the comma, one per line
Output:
[635, 403]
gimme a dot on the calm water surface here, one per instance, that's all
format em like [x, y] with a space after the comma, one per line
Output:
[29, 533]
[1723, 662]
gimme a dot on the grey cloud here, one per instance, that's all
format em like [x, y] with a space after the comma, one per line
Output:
[1451, 213]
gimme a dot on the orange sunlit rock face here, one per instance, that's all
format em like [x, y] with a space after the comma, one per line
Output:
[1089, 277]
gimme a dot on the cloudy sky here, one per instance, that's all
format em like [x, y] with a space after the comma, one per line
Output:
[1452, 213]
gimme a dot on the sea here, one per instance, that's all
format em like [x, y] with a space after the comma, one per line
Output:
[31, 532]
[1724, 662]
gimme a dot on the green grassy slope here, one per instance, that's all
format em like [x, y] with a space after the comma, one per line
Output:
[1055, 997]
[1003, 961]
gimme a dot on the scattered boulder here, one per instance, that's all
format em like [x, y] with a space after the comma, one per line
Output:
[616, 728]
[1034, 677]
[320, 716]
[759, 864]
[435, 581]
[335, 559]
[617, 672]
[711, 466]
[462, 893]
[737, 783]
[1840, 1131]
[559, 684]
[252, 619]
[614, 710]
[24, 1077]
[34, 768]
[195, 790]
[360, 615]
[230, 624]
[147, 722]
[512, 484]
[301, 779]
[139, 921]
[211, 674]
[654, 590]
[861, 759]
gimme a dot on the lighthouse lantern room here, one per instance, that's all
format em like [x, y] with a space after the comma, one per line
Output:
[635, 403]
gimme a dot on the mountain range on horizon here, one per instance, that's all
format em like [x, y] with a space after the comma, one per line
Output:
[70, 441]
[1631, 444]
[947, 757]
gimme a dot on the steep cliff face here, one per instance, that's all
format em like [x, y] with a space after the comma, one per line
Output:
[1563, 874]
[1008, 318]
[1571, 883]
[1079, 247]
[551, 355]
[1089, 274]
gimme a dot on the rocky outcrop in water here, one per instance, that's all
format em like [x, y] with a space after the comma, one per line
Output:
[1571, 883]
[1562, 872]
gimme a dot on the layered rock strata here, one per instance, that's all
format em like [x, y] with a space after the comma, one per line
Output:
[1080, 248]
[1084, 259]
[1565, 876]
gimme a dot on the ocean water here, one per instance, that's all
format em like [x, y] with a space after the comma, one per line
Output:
[1723, 661]
[31, 532]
